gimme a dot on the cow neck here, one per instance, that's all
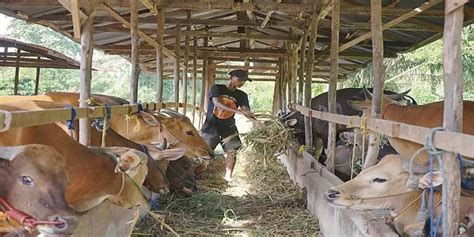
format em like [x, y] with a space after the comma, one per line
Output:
[385, 109]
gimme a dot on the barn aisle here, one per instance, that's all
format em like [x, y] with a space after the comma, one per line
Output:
[260, 201]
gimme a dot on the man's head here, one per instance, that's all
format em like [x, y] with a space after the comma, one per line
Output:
[238, 77]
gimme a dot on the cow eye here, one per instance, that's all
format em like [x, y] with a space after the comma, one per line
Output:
[190, 133]
[379, 180]
[27, 180]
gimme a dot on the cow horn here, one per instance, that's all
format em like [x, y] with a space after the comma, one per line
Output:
[163, 145]
[172, 113]
[367, 93]
[416, 168]
[399, 96]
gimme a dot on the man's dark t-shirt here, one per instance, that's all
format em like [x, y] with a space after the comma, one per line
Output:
[237, 97]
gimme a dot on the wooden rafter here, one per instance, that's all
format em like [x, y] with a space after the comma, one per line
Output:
[393, 22]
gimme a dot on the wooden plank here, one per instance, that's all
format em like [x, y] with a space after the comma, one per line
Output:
[378, 72]
[37, 77]
[17, 72]
[234, 35]
[282, 7]
[9, 120]
[135, 73]
[159, 55]
[203, 104]
[146, 37]
[334, 59]
[176, 65]
[87, 49]
[447, 141]
[453, 111]
[410, 14]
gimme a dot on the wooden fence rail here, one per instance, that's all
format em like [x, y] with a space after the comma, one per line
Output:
[38, 117]
[449, 141]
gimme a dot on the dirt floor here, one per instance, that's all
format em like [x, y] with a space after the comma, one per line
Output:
[261, 201]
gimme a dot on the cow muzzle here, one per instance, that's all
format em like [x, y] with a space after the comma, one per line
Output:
[65, 226]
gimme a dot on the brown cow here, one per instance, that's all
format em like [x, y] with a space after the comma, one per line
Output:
[33, 181]
[155, 181]
[179, 131]
[428, 115]
[91, 176]
[383, 187]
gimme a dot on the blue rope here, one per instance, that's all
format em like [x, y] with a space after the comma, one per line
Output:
[432, 230]
[70, 122]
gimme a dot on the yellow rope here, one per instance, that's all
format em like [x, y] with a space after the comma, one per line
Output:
[364, 132]
[354, 146]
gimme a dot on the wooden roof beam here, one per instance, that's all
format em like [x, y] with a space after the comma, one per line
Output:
[283, 7]
[391, 23]
[146, 37]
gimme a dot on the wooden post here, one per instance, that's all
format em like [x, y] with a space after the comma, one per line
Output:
[186, 64]
[378, 73]
[294, 71]
[203, 85]
[87, 48]
[308, 128]
[194, 77]
[17, 72]
[276, 94]
[134, 53]
[283, 82]
[37, 78]
[159, 55]
[301, 78]
[334, 57]
[453, 111]
[176, 64]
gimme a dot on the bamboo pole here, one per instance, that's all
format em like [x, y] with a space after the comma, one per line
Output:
[87, 49]
[334, 59]
[294, 71]
[301, 77]
[176, 64]
[159, 55]
[37, 78]
[17, 72]
[283, 84]
[453, 111]
[308, 128]
[378, 73]
[186, 63]
[204, 85]
[134, 53]
[194, 78]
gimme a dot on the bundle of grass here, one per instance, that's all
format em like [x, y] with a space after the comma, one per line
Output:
[269, 138]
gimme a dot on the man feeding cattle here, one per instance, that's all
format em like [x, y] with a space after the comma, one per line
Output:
[224, 102]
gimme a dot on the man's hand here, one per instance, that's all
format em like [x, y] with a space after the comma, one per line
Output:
[247, 113]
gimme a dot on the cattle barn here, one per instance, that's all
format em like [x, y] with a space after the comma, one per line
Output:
[293, 43]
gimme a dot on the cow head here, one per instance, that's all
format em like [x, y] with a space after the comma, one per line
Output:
[157, 165]
[180, 132]
[33, 181]
[181, 175]
[377, 187]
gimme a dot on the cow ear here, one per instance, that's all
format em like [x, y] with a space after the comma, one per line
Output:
[347, 137]
[424, 182]
[129, 161]
[149, 119]
[10, 152]
[358, 105]
[290, 122]
[168, 154]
